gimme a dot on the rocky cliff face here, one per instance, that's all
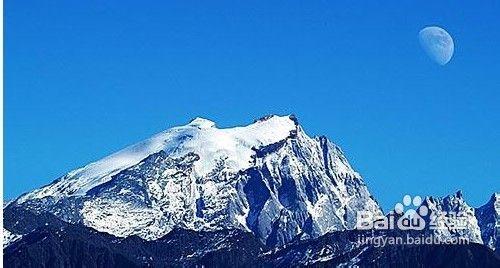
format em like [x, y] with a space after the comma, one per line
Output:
[269, 178]
[451, 217]
[488, 217]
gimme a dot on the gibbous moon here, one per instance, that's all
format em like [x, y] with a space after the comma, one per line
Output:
[437, 43]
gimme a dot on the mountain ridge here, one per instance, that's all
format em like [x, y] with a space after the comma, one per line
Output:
[266, 188]
[269, 177]
[62, 243]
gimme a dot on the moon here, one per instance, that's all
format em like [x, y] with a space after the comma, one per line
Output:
[437, 43]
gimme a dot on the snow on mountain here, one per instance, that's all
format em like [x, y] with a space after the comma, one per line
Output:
[452, 217]
[488, 217]
[199, 136]
[269, 178]
[9, 238]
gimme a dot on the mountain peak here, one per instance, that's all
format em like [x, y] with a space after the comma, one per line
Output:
[200, 136]
[201, 123]
[267, 177]
[453, 208]
[291, 117]
[495, 197]
[488, 216]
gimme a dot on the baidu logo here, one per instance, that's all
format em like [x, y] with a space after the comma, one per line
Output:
[407, 215]
[405, 207]
[412, 214]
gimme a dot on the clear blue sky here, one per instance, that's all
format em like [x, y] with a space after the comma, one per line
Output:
[86, 78]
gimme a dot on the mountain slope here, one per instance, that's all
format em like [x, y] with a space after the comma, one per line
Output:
[199, 136]
[268, 178]
[488, 217]
[60, 244]
[63, 244]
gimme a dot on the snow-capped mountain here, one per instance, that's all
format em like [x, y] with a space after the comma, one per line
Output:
[488, 217]
[197, 195]
[269, 178]
[451, 217]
